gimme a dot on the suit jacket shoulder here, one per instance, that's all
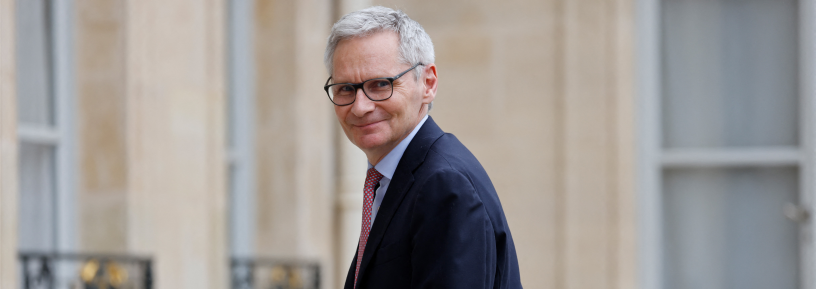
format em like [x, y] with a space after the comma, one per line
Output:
[440, 225]
[448, 157]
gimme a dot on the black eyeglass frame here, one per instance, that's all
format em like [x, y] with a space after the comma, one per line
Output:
[357, 86]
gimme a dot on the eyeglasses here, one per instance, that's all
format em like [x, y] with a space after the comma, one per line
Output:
[376, 89]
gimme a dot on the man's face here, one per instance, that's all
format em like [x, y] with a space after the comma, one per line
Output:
[376, 127]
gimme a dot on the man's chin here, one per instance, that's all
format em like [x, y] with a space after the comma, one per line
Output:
[369, 142]
[367, 146]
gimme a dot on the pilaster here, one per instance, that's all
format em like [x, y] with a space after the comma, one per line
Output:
[8, 147]
[175, 107]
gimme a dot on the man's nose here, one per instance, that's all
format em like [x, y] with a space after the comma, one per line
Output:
[362, 104]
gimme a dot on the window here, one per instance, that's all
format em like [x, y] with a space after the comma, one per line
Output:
[240, 129]
[45, 125]
[727, 152]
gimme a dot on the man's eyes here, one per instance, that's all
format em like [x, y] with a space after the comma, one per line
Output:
[380, 83]
[345, 88]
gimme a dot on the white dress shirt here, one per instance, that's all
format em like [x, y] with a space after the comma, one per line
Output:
[387, 166]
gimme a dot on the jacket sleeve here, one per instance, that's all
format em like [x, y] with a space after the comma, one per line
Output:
[453, 243]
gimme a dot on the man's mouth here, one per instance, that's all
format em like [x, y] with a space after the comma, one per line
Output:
[366, 125]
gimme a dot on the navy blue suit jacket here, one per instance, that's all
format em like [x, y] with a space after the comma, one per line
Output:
[440, 224]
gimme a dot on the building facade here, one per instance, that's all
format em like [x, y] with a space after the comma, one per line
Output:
[633, 143]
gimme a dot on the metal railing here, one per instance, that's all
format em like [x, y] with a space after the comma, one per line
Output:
[49, 270]
[270, 273]
[88, 271]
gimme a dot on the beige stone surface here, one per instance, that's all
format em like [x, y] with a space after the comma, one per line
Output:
[100, 60]
[600, 203]
[589, 132]
[540, 92]
[351, 167]
[625, 149]
[295, 133]
[8, 148]
[278, 227]
[175, 143]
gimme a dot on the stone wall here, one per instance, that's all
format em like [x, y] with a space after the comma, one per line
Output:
[294, 133]
[8, 148]
[175, 143]
[100, 76]
[541, 92]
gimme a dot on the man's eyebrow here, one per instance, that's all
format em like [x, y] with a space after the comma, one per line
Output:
[364, 80]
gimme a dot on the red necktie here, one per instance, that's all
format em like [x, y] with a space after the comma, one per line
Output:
[372, 179]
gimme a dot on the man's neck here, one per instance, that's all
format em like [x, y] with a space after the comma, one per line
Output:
[376, 155]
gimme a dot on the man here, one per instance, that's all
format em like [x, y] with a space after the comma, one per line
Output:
[431, 217]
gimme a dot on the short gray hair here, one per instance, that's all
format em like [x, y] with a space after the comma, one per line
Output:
[415, 45]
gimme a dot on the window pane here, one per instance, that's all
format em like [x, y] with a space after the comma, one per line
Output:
[729, 73]
[231, 126]
[37, 224]
[236, 225]
[725, 228]
[35, 101]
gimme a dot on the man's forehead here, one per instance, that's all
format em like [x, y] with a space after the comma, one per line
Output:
[377, 52]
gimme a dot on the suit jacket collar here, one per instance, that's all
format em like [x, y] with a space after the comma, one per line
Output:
[388, 165]
[403, 179]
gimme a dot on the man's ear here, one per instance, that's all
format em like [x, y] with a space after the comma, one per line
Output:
[429, 81]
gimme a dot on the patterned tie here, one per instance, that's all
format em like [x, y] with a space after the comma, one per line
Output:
[372, 179]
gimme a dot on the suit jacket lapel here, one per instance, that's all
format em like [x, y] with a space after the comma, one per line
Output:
[403, 179]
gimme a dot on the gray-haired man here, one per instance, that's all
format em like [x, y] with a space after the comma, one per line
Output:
[431, 217]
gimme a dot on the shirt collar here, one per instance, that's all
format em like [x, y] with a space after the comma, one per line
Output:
[389, 163]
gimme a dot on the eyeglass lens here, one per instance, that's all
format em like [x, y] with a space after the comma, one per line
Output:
[375, 89]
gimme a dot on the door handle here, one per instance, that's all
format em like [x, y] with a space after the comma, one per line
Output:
[796, 213]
